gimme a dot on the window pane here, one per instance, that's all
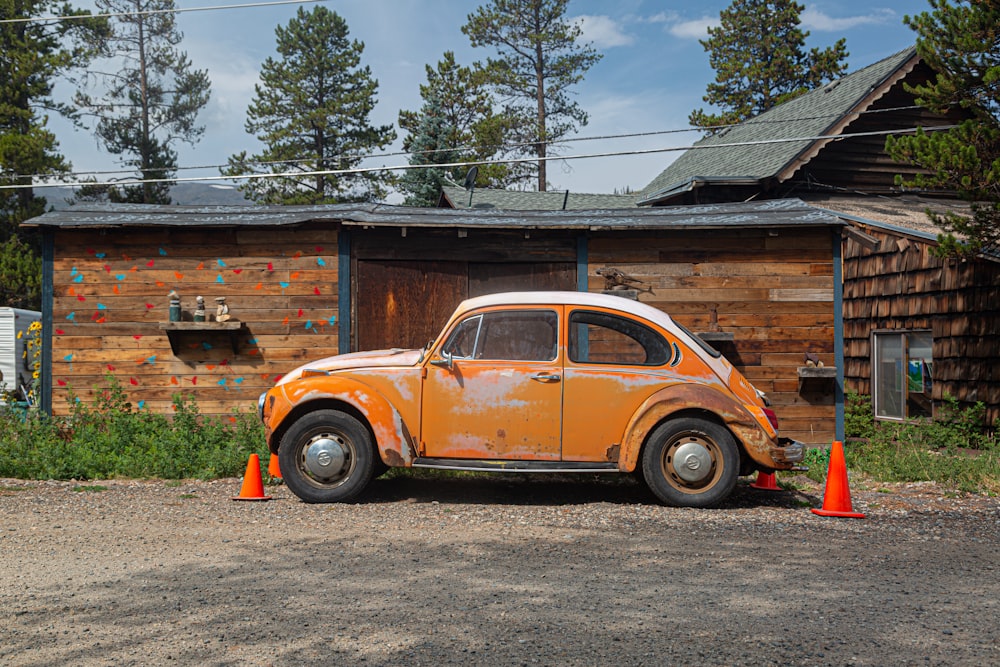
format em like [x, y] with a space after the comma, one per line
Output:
[599, 338]
[462, 343]
[519, 336]
[889, 377]
[920, 364]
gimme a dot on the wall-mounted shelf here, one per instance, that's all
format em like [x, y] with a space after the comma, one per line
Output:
[175, 330]
[817, 371]
[820, 375]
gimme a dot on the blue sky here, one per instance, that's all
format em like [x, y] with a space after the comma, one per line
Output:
[654, 71]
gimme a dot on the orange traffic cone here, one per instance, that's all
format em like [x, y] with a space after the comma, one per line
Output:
[765, 481]
[272, 468]
[837, 499]
[253, 485]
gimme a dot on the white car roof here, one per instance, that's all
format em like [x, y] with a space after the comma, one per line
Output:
[573, 299]
[721, 366]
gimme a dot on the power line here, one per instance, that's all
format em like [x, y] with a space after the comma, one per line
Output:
[631, 135]
[470, 163]
[150, 12]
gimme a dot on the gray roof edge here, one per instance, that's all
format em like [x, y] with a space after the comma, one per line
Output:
[695, 182]
[902, 231]
[777, 212]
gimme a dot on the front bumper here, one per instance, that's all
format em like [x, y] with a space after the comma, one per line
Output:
[788, 451]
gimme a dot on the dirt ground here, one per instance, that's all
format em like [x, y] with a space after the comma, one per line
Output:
[497, 571]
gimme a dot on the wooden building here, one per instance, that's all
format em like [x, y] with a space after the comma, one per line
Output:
[917, 327]
[830, 140]
[760, 280]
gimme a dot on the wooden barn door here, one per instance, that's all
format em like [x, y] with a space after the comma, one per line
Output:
[521, 276]
[405, 303]
[404, 289]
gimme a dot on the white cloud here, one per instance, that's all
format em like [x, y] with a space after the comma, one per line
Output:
[662, 17]
[813, 19]
[696, 29]
[603, 31]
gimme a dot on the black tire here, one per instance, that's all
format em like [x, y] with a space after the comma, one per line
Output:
[691, 462]
[327, 456]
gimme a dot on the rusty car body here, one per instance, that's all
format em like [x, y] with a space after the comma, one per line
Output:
[530, 382]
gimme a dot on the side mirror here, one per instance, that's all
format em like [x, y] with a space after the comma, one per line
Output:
[446, 361]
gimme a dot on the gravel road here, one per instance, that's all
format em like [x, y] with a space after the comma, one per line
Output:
[497, 571]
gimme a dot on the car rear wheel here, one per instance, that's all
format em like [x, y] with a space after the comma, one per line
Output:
[327, 456]
[691, 462]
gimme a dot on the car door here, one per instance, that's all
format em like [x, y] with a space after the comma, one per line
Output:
[494, 389]
[613, 363]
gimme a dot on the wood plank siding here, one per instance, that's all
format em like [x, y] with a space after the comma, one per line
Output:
[902, 286]
[110, 298]
[771, 287]
[773, 290]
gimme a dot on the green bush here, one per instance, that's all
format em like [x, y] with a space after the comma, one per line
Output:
[109, 439]
[956, 448]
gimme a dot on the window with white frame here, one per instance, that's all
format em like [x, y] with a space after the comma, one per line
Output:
[903, 374]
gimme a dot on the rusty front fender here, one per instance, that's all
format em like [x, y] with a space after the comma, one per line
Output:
[291, 401]
[685, 397]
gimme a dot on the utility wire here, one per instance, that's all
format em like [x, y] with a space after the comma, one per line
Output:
[470, 163]
[605, 137]
[149, 12]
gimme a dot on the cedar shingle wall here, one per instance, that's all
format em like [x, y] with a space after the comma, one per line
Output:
[772, 290]
[901, 285]
[111, 297]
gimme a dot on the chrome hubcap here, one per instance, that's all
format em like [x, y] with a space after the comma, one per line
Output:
[692, 462]
[325, 457]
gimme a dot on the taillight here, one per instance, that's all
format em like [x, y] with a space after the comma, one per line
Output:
[771, 417]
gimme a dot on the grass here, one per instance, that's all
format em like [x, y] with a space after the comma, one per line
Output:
[110, 439]
[956, 449]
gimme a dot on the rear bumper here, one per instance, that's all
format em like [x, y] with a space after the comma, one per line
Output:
[788, 452]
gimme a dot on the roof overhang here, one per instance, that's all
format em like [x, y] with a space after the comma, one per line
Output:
[694, 183]
[838, 126]
[771, 214]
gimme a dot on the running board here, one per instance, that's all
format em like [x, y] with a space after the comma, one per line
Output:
[483, 465]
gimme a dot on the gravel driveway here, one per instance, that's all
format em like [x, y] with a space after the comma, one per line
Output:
[497, 571]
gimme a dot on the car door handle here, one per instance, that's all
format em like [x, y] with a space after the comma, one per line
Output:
[546, 378]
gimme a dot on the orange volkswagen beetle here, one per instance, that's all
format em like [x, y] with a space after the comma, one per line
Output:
[530, 382]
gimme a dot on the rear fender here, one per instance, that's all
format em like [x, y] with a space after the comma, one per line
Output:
[392, 437]
[686, 397]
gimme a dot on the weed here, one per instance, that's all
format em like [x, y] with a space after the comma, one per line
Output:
[109, 438]
[955, 449]
[89, 488]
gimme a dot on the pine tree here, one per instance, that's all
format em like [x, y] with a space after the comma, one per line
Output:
[539, 60]
[311, 110]
[476, 132]
[961, 42]
[33, 55]
[759, 57]
[429, 143]
[152, 100]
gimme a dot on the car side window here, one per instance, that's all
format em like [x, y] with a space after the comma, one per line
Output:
[462, 343]
[513, 335]
[602, 338]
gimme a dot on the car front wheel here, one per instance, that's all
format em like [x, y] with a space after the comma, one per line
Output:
[327, 456]
[691, 462]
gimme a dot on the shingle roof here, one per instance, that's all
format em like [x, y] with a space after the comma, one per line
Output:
[771, 213]
[513, 200]
[816, 113]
